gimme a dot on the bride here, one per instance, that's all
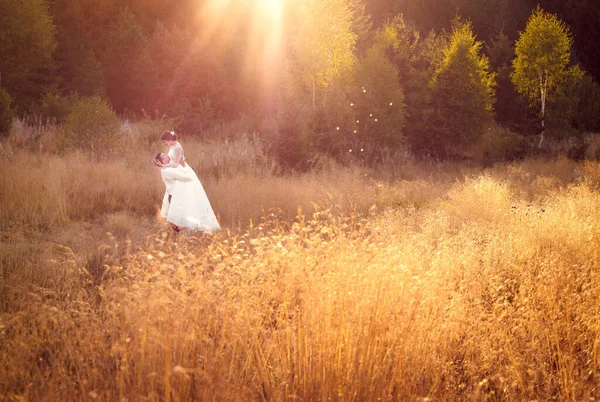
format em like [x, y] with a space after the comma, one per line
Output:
[185, 204]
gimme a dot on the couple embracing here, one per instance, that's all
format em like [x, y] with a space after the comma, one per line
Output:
[185, 204]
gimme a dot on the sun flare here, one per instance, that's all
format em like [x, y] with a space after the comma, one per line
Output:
[273, 7]
[260, 22]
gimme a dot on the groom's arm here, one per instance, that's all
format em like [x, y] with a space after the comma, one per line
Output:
[169, 173]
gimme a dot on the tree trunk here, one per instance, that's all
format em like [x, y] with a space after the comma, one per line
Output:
[543, 91]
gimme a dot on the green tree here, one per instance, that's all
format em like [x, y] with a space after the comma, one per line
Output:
[511, 109]
[127, 64]
[323, 47]
[379, 103]
[587, 115]
[415, 59]
[93, 127]
[561, 112]
[78, 69]
[318, 78]
[27, 42]
[462, 93]
[543, 51]
[55, 106]
[582, 17]
[168, 49]
[361, 24]
[196, 88]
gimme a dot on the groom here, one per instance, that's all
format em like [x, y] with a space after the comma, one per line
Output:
[170, 175]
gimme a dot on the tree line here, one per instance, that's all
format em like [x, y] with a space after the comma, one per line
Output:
[347, 76]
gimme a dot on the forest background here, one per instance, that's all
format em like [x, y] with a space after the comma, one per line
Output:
[313, 78]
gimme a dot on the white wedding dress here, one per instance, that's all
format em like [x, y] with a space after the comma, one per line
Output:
[185, 203]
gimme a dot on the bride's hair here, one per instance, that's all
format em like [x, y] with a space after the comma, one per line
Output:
[168, 136]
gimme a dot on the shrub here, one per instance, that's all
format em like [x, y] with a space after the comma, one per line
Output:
[499, 144]
[6, 113]
[93, 127]
[56, 107]
[194, 117]
[146, 131]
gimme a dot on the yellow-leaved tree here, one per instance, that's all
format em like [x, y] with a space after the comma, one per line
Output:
[319, 77]
[541, 65]
[322, 46]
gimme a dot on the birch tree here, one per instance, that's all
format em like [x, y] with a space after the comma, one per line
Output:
[323, 46]
[542, 58]
[314, 106]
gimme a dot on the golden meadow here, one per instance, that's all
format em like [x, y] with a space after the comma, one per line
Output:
[412, 282]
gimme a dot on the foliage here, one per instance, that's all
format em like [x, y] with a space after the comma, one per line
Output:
[168, 50]
[53, 106]
[510, 109]
[542, 53]
[127, 64]
[415, 59]
[500, 51]
[87, 77]
[291, 150]
[154, 56]
[566, 99]
[462, 94]
[194, 116]
[587, 113]
[361, 24]
[27, 43]
[304, 135]
[289, 145]
[582, 17]
[190, 81]
[499, 144]
[78, 68]
[93, 127]
[6, 112]
[379, 103]
[322, 48]
[318, 79]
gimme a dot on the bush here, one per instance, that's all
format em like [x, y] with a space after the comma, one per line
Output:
[6, 113]
[93, 127]
[194, 117]
[499, 144]
[56, 107]
[146, 131]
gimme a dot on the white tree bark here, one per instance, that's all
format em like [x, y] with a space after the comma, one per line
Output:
[543, 92]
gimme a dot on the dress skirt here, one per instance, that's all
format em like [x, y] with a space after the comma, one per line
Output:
[189, 206]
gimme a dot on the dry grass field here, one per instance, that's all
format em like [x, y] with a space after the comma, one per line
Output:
[414, 282]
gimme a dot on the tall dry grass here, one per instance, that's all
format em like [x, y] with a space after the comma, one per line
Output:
[480, 297]
[430, 282]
